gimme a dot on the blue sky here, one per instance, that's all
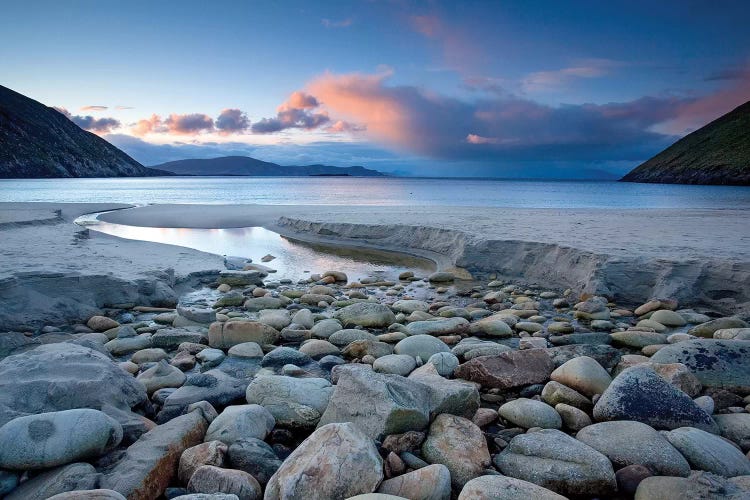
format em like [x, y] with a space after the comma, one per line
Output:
[559, 89]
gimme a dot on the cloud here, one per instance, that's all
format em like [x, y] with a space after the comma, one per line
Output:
[94, 108]
[232, 121]
[495, 127]
[189, 124]
[552, 80]
[342, 126]
[124, 107]
[344, 23]
[150, 125]
[96, 125]
[299, 111]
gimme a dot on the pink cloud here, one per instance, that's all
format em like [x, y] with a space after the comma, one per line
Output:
[146, 126]
[94, 108]
[554, 79]
[189, 124]
[478, 139]
[342, 126]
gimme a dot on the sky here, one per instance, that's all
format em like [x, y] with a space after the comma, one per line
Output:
[498, 88]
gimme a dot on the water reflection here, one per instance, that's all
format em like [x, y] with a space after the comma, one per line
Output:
[293, 259]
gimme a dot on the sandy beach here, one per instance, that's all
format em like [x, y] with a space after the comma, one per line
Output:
[701, 257]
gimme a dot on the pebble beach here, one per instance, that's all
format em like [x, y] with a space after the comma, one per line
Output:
[540, 358]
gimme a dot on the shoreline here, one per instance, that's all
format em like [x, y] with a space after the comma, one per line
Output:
[596, 251]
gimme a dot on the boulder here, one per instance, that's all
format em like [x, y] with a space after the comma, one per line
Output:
[325, 328]
[88, 495]
[366, 314]
[378, 404]
[428, 483]
[437, 327]
[150, 464]
[63, 376]
[444, 362]
[50, 439]
[584, 375]
[241, 278]
[230, 333]
[409, 306]
[421, 346]
[101, 323]
[213, 386]
[293, 402]
[209, 453]
[634, 443]
[336, 461]
[459, 444]
[698, 486]
[721, 364]
[456, 397]
[639, 393]
[78, 476]
[212, 479]
[736, 428]
[254, 456]
[497, 487]
[509, 369]
[558, 462]
[708, 328]
[709, 452]
[161, 375]
[528, 413]
[397, 364]
[240, 421]
[171, 338]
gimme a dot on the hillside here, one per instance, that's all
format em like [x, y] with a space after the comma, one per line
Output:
[38, 141]
[244, 165]
[718, 153]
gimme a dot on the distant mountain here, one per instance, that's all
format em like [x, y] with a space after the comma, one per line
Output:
[244, 165]
[718, 153]
[37, 141]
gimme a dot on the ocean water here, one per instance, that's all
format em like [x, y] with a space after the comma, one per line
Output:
[376, 191]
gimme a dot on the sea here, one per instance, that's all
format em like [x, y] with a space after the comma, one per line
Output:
[381, 191]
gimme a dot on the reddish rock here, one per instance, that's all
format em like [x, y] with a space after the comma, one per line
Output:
[210, 453]
[508, 369]
[209, 479]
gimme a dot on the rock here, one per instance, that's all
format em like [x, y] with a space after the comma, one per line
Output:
[530, 413]
[281, 356]
[161, 375]
[78, 476]
[122, 346]
[211, 479]
[214, 386]
[323, 466]
[88, 495]
[709, 452]
[231, 333]
[256, 304]
[428, 483]
[679, 376]
[275, 318]
[484, 416]
[293, 402]
[366, 314]
[634, 443]
[101, 323]
[171, 338]
[668, 318]
[736, 428]
[456, 397]
[605, 355]
[508, 369]
[241, 421]
[255, 457]
[492, 326]
[50, 439]
[638, 339]
[246, 350]
[629, 477]
[343, 338]
[378, 404]
[716, 363]
[707, 329]
[555, 393]
[699, 486]
[584, 375]
[497, 487]
[421, 346]
[458, 444]
[241, 278]
[151, 355]
[209, 453]
[441, 277]
[203, 315]
[325, 328]
[444, 362]
[638, 393]
[397, 364]
[572, 418]
[556, 461]
[63, 376]
[317, 349]
[437, 327]
[409, 306]
[365, 347]
[149, 465]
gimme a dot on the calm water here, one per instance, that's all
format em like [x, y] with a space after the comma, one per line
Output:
[376, 191]
[292, 259]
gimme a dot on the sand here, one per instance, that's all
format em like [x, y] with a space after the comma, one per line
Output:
[701, 257]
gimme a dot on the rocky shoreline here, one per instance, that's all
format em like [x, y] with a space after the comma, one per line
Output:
[422, 388]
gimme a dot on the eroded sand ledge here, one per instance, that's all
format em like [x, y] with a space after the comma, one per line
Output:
[700, 257]
[52, 269]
